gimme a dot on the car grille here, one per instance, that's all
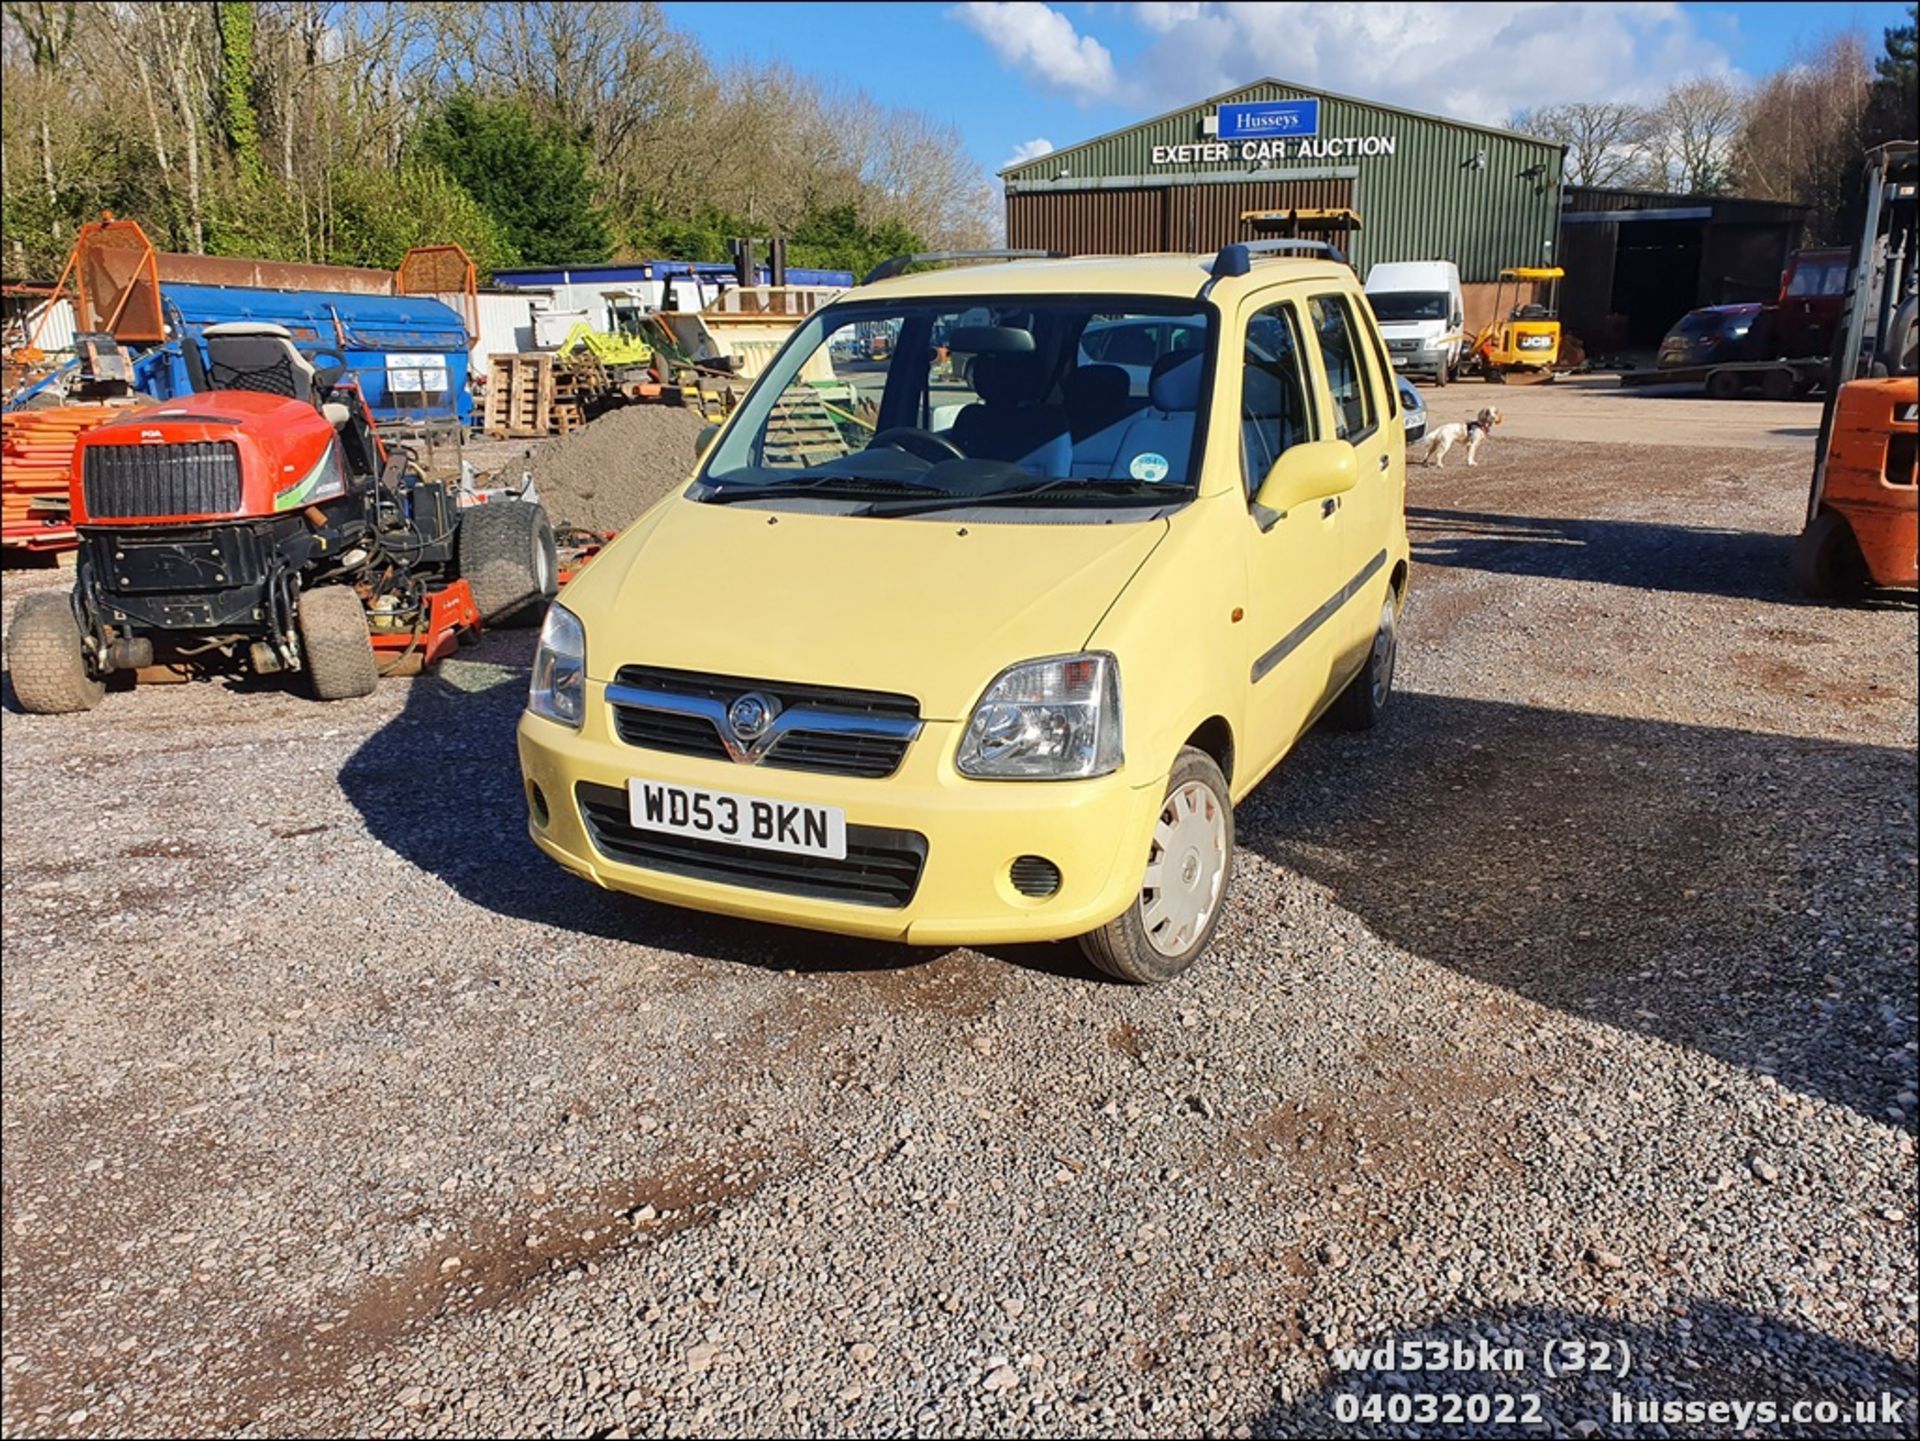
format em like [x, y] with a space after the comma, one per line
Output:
[882, 866]
[195, 477]
[852, 732]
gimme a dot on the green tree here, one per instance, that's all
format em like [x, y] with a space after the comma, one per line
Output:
[533, 176]
[1896, 92]
[654, 233]
[238, 118]
[838, 239]
[379, 215]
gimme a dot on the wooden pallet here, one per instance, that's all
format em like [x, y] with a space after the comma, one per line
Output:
[568, 416]
[801, 431]
[519, 396]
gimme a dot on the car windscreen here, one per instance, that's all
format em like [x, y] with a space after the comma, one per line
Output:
[1714, 322]
[913, 406]
[1391, 305]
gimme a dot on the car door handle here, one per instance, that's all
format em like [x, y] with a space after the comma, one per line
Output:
[1329, 506]
[1383, 462]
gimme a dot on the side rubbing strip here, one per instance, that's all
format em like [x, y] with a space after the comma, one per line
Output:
[1296, 637]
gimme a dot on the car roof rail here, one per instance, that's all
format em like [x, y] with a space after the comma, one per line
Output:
[1237, 258]
[893, 266]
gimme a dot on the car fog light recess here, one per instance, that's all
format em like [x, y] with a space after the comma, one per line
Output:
[1052, 719]
[1035, 876]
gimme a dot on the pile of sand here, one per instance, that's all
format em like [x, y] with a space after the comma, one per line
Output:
[604, 475]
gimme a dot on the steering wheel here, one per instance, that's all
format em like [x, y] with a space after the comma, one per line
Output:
[915, 441]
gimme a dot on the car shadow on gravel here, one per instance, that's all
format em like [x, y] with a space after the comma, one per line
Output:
[1647, 555]
[1708, 1352]
[1745, 895]
[439, 786]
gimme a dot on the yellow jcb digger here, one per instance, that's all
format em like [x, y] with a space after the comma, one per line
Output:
[1521, 344]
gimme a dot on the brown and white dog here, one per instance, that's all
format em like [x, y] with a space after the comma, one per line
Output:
[1446, 437]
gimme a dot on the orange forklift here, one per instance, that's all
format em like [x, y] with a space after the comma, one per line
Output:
[1863, 511]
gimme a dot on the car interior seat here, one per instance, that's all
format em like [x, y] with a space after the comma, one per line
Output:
[1099, 405]
[1158, 442]
[1011, 421]
[252, 355]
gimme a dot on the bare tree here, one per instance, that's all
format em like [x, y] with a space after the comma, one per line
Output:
[1605, 139]
[1692, 134]
[1802, 131]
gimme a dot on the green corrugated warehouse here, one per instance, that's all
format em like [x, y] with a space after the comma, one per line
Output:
[1424, 187]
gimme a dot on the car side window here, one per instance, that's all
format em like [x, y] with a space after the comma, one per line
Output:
[1379, 370]
[1276, 411]
[1353, 402]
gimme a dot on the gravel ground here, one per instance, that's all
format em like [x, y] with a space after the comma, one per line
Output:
[621, 463]
[1576, 1003]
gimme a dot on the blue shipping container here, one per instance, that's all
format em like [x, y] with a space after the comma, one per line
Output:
[407, 352]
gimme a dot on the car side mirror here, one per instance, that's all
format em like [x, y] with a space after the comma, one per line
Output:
[704, 439]
[1458, 320]
[1315, 470]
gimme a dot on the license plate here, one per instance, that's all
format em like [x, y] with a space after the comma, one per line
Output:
[1399, 362]
[740, 820]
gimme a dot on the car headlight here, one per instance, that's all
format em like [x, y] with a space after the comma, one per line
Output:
[1054, 719]
[559, 688]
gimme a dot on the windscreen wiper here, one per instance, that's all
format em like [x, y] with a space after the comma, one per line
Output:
[829, 487]
[1060, 487]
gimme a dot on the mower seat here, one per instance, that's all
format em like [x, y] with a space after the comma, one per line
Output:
[253, 355]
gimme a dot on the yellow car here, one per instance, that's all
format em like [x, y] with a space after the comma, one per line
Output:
[994, 660]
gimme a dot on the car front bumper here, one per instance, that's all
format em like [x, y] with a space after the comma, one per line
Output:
[1096, 832]
[1420, 362]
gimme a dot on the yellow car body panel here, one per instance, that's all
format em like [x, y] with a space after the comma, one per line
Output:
[809, 596]
[1194, 605]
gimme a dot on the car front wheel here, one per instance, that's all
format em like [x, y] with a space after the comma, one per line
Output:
[1184, 889]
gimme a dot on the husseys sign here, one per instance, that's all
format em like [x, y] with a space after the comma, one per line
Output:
[1271, 130]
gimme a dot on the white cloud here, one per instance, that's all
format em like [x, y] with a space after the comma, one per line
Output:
[1164, 15]
[1042, 42]
[1471, 62]
[1028, 150]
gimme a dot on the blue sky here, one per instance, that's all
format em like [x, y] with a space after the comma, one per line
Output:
[1012, 76]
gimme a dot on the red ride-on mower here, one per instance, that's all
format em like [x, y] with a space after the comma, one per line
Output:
[263, 523]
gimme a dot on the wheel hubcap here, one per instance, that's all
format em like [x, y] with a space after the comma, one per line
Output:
[1184, 869]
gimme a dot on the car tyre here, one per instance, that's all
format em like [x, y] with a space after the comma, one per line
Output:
[44, 655]
[335, 647]
[1362, 703]
[508, 559]
[1188, 875]
[1723, 385]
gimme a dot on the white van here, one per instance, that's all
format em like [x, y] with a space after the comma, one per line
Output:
[1421, 314]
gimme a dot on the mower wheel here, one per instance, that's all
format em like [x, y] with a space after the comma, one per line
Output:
[49, 668]
[334, 644]
[507, 558]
